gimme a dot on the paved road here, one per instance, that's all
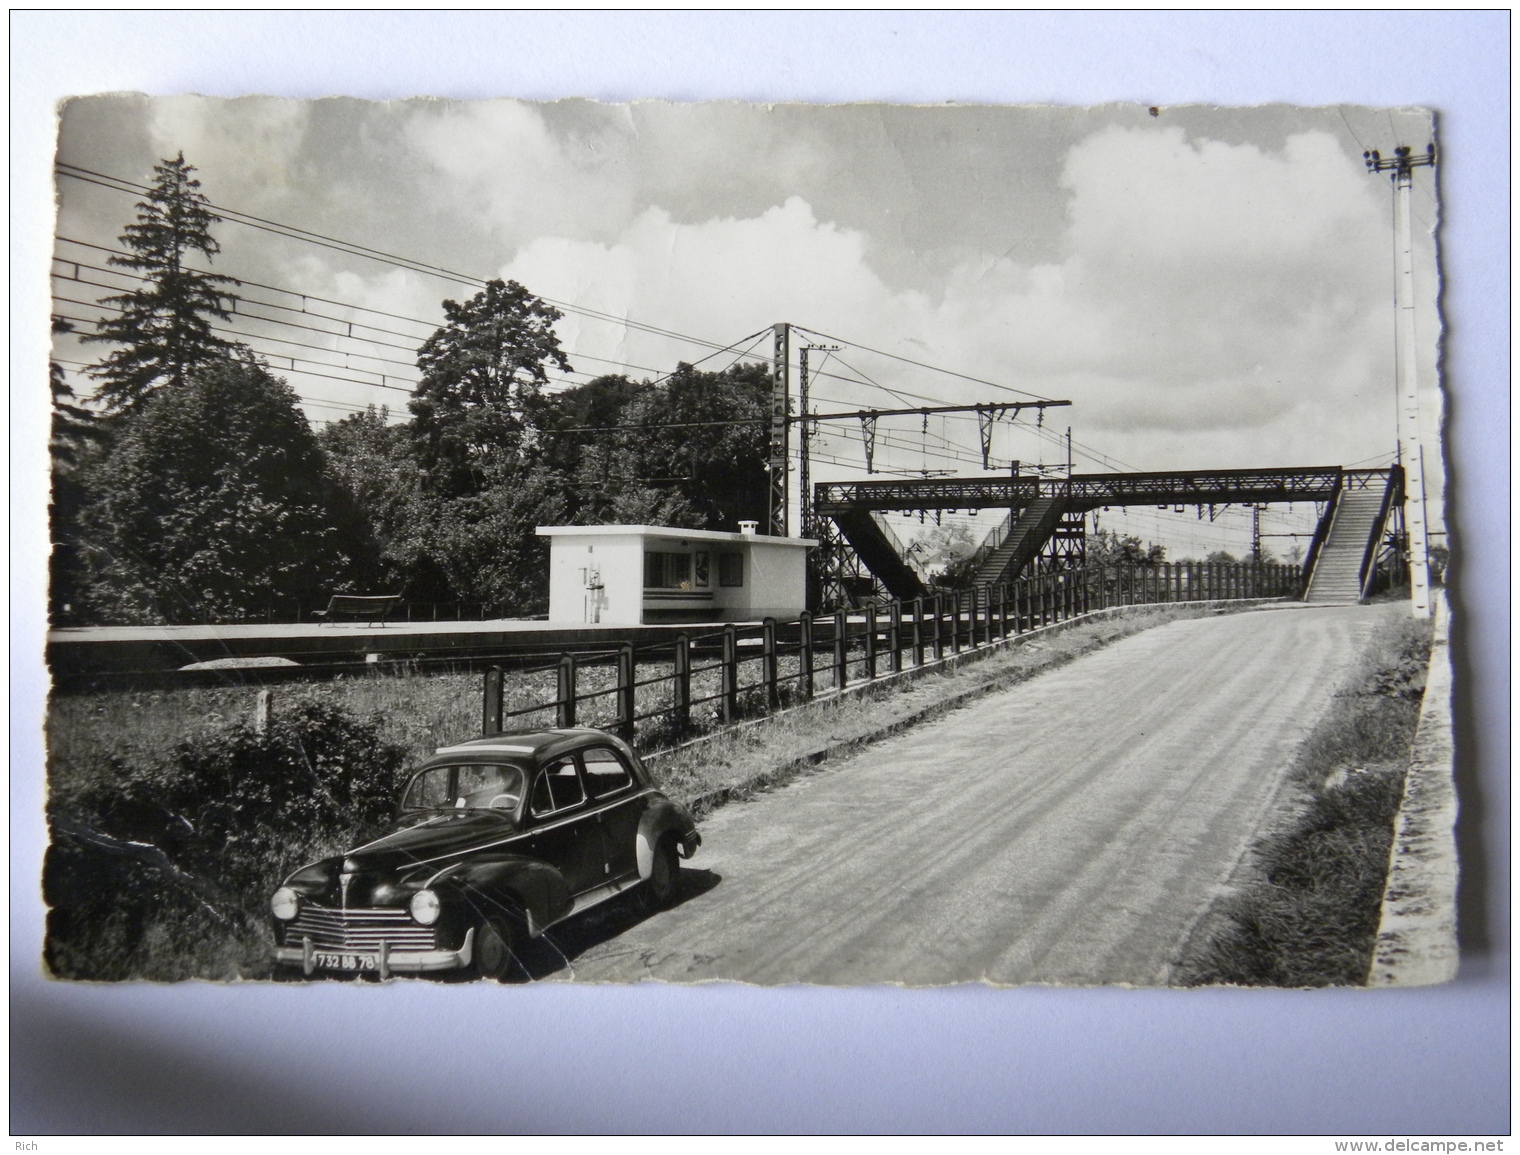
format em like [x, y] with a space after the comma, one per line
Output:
[1070, 830]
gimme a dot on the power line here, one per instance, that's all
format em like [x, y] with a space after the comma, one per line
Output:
[350, 248]
[241, 282]
[235, 216]
[919, 364]
[321, 316]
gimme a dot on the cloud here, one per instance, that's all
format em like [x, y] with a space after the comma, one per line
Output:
[1205, 288]
[499, 164]
[1212, 305]
[257, 137]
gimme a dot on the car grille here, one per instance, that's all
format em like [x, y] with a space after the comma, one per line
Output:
[358, 930]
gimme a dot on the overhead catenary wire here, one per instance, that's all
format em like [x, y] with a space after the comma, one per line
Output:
[246, 300]
[351, 248]
[236, 216]
[919, 364]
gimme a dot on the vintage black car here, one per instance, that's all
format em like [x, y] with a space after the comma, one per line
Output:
[495, 839]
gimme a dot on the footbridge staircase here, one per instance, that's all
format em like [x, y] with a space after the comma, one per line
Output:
[1342, 561]
[1035, 526]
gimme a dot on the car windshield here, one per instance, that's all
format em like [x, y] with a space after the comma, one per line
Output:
[468, 787]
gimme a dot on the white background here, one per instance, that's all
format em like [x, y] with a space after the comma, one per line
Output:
[419, 1057]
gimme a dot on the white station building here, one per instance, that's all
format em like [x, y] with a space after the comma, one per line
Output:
[633, 574]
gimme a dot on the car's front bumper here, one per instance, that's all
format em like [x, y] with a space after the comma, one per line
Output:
[384, 962]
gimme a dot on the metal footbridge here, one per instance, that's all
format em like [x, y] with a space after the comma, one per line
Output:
[1046, 518]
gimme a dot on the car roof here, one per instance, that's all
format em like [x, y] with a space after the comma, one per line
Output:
[534, 744]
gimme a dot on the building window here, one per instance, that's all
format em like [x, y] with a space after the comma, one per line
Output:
[667, 571]
[730, 569]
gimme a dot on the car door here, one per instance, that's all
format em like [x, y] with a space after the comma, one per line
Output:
[620, 804]
[564, 831]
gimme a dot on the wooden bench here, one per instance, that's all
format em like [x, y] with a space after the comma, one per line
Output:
[376, 608]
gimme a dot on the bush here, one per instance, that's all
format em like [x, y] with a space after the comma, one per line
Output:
[1310, 917]
[168, 861]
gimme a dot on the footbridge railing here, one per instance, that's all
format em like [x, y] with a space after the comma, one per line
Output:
[671, 690]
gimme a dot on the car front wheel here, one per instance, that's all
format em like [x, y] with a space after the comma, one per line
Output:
[665, 875]
[493, 947]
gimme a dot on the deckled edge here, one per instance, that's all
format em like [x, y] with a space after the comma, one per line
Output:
[1417, 935]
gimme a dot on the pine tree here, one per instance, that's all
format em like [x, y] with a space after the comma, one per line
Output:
[75, 428]
[163, 326]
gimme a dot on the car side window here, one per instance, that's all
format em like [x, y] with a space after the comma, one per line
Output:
[558, 788]
[606, 772]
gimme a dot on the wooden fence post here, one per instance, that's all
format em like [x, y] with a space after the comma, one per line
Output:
[730, 674]
[894, 636]
[805, 655]
[263, 706]
[490, 713]
[939, 626]
[770, 670]
[565, 698]
[955, 622]
[681, 681]
[625, 691]
[918, 631]
[870, 661]
[841, 649]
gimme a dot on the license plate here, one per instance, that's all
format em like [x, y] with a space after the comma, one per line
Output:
[344, 962]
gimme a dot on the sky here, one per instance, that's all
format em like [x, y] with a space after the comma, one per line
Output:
[1209, 287]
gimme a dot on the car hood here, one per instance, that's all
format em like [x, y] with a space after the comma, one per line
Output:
[442, 835]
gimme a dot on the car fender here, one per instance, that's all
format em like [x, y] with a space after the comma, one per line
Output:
[661, 818]
[541, 890]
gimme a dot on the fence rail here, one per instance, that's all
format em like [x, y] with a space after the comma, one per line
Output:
[669, 690]
[287, 613]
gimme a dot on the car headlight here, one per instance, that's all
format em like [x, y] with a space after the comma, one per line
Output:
[285, 903]
[425, 907]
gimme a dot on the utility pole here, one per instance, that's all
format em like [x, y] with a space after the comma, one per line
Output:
[780, 413]
[804, 466]
[1402, 166]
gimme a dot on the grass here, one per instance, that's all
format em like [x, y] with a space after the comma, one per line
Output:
[1308, 910]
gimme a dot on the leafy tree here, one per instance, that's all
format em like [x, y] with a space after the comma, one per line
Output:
[1440, 559]
[700, 437]
[162, 326]
[212, 502]
[1105, 547]
[375, 463]
[482, 546]
[371, 460]
[482, 373]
